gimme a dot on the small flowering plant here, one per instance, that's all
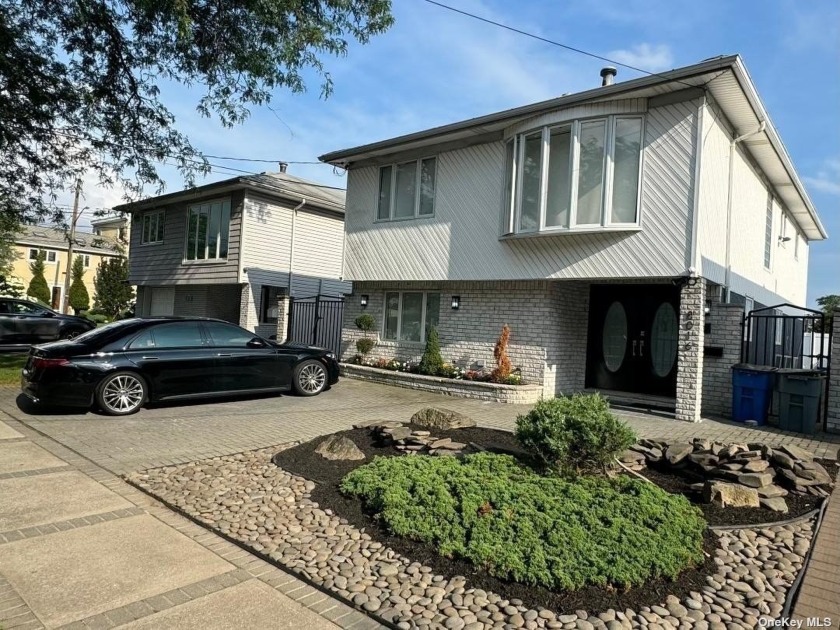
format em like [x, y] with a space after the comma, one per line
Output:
[447, 370]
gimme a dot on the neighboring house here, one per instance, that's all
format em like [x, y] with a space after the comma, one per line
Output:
[113, 226]
[230, 249]
[54, 243]
[598, 225]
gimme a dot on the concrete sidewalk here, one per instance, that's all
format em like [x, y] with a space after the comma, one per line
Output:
[79, 548]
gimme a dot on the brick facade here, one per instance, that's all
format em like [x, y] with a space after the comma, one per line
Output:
[725, 331]
[690, 351]
[833, 418]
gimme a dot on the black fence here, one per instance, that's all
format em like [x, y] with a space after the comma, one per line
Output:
[316, 321]
[775, 337]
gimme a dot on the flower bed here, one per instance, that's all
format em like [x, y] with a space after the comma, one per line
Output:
[447, 370]
[463, 388]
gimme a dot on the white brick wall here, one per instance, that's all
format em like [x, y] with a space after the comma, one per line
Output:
[690, 352]
[725, 332]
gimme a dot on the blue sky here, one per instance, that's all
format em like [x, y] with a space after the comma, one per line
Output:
[435, 67]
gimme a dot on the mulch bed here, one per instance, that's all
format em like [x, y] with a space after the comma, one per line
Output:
[303, 461]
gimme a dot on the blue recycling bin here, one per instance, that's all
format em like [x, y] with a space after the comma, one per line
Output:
[752, 392]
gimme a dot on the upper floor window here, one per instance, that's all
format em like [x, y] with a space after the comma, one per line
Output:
[582, 174]
[49, 255]
[86, 259]
[152, 227]
[208, 229]
[407, 190]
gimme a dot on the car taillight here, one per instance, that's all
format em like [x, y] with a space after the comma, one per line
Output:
[41, 363]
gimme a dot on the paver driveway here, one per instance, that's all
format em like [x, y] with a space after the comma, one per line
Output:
[176, 434]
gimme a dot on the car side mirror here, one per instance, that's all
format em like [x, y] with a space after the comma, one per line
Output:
[256, 342]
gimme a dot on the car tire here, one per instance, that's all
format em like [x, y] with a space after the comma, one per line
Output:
[121, 393]
[309, 378]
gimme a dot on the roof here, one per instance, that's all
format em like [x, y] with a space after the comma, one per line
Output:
[56, 238]
[276, 184]
[117, 219]
[724, 78]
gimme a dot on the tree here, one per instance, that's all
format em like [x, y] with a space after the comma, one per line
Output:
[431, 361]
[503, 366]
[38, 287]
[79, 298]
[82, 82]
[113, 294]
[828, 304]
[9, 231]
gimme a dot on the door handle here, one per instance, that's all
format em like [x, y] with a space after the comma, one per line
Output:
[150, 358]
[224, 355]
[642, 348]
[634, 347]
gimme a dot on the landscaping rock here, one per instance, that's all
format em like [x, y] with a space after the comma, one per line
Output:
[771, 492]
[730, 494]
[777, 504]
[783, 460]
[397, 433]
[438, 418]
[632, 456]
[755, 480]
[797, 453]
[757, 465]
[677, 452]
[339, 448]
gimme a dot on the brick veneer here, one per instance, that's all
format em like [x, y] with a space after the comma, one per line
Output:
[833, 418]
[690, 351]
[725, 331]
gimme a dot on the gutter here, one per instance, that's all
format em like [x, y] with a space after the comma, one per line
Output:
[292, 248]
[733, 147]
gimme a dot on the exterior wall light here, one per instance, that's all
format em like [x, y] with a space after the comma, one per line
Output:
[364, 301]
[456, 302]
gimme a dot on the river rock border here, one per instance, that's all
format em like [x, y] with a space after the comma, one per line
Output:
[248, 499]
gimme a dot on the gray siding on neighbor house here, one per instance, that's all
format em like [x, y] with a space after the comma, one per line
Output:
[461, 241]
[163, 263]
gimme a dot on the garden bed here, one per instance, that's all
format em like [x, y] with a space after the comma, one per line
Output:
[494, 392]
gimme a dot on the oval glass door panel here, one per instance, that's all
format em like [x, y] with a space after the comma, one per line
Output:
[615, 336]
[663, 342]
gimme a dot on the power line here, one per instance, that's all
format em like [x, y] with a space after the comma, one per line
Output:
[240, 159]
[554, 43]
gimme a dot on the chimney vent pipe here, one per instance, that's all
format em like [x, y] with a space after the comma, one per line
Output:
[608, 76]
[284, 166]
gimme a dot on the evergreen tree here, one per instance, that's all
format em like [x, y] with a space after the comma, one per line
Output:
[79, 298]
[112, 294]
[432, 362]
[38, 287]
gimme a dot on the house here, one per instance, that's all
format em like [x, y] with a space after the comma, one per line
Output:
[230, 249]
[54, 243]
[113, 226]
[599, 225]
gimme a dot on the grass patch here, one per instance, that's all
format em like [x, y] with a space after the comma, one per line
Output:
[10, 367]
[539, 530]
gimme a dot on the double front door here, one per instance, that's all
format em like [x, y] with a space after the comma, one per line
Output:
[633, 337]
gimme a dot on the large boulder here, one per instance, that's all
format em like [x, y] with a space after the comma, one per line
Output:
[338, 447]
[444, 419]
[730, 494]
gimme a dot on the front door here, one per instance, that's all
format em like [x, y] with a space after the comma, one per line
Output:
[633, 334]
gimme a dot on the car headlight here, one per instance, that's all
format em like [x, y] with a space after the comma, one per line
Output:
[330, 355]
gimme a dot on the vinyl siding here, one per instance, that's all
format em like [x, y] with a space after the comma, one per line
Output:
[786, 279]
[461, 241]
[163, 263]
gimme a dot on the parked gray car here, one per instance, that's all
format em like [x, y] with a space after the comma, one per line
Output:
[24, 323]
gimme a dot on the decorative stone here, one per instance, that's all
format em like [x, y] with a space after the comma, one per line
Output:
[397, 433]
[338, 447]
[632, 456]
[677, 452]
[771, 492]
[730, 494]
[783, 460]
[757, 465]
[777, 504]
[440, 443]
[755, 480]
[797, 452]
[438, 418]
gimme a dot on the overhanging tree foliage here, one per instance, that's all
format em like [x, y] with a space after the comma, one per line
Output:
[9, 231]
[828, 304]
[79, 297]
[81, 81]
[38, 287]
[113, 294]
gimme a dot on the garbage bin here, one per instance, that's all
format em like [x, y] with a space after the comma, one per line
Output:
[752, 391]
[799, 399]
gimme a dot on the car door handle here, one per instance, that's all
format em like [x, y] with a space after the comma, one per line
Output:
[224, 355]
[150, 358]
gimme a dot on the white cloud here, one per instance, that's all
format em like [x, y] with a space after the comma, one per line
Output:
[651, 57]
[827, 179]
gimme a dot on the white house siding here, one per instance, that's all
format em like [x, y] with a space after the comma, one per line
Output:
[461, 242]
[786, 278]
[163, 263]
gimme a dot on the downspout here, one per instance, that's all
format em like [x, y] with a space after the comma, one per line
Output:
[732, 148]
[292, 247]
[694, 267]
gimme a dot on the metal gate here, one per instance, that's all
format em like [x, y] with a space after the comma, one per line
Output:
[316, 321]
[774, 337]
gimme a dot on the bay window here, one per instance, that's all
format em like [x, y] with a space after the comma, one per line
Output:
[409, 315]
[208, 230]
[576, 175]
[407, 190]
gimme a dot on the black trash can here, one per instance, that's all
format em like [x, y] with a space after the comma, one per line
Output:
[799, 399]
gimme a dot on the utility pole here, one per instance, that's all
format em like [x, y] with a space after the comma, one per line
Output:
[65, 303]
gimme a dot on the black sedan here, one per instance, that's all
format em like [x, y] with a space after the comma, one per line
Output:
[23, 323]
[121, 366]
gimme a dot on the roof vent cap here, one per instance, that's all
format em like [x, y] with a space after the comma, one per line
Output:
[608, 75]
[283, 166]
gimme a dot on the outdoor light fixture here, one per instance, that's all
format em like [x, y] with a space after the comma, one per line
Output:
[784, 239]
[456, 302]
[364, 301]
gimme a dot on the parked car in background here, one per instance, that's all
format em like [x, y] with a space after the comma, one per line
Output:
[23, 323]
[121, 366]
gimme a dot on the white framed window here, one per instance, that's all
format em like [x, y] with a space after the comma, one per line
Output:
[50, 256]
[407, 190]
[768, 232]
[580, 175]
[152, 227]
[208, 231]
[409, 315]
[86, 259]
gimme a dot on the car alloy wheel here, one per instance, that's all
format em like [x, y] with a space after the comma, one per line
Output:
[312, 378]
[123, 394]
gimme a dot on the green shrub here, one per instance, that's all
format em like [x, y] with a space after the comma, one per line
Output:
[96, 318]
[519, 525]
[431, 362]
[38, 287]
[79, 298]
[365, 322]
[365, 345]
[574, 435]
